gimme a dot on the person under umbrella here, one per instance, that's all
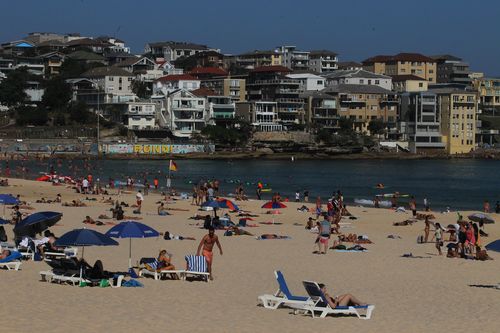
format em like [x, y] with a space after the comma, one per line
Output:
[7, 199]
[274, 205]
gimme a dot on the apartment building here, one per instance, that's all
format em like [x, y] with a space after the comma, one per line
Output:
[323, 61]
[308, 81]
[263, 115]
[420, 122]
[171, 51]
[186, 113]
[409, 83]
[114, 85]
[143, 68]
[234, 87]
[269, 83]
[140, 115]
[403, 64]
[321, 110]
[257, 58]
[358, 76]
[364, 103]
[293, 58]
[451, 69]
[349, 65]
[458, 110]
[488, 89]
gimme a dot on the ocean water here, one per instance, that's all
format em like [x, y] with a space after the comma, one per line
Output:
[458, 184]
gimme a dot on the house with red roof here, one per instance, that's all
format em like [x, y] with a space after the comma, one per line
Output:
[403, 64]
[169, 83]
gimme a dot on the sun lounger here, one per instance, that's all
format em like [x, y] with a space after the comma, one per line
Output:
[283, 296]
[11, 262]
[196, 267]
[321, 304]
[149, 268]
[68, 252]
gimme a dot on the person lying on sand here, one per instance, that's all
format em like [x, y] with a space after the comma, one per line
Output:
[4, 182]
[89, 220]
[272, 236]
[104, 217]
[107, 201]
[74, 203]
[341, 300]
[168, 236]
[239, 232]
[247, 214]
[406, 222]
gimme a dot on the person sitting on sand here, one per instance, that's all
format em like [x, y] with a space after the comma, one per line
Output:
[17, 216]
[58, 198]
[239, 232]
[168, 236]
[310, 223]
[341, 300]
[162, 211]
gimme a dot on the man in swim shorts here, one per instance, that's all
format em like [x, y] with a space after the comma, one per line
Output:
[207, 242]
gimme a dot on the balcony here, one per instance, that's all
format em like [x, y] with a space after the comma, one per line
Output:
[274, 82]
[287, 91]
[290, 110]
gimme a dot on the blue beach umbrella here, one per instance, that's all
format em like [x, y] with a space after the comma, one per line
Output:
[36, 223]
[131, 229]
[493, 246]
[84, 237]
[3, 221]
[7, 199]
[481, 217]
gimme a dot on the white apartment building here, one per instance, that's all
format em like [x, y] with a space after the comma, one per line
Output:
[171, 51]
[308, 82]
[263, 115]
[323, 61]
[186, 113]
[170, 83]
[141, 116]
[359, 77]
[115, 84]
[293, 58]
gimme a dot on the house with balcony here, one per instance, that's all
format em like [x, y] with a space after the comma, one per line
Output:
[257, 58]
[420, 122]
[144, 69]
[186, 113]
[358, 76]
[221, 110]
[171, 51]
[365, 103]
[451, 69]
[169, 83]
[403, 64]
[488, 89]
[270, 84]
[234, 87]
[321, 110]
[263, 115]
[323, 61]
[140, 115]
[53, 62]
[292, 58]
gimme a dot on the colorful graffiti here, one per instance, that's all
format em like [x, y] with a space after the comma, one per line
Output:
[156, 149]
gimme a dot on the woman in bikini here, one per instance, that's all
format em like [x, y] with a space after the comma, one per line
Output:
[341, 300]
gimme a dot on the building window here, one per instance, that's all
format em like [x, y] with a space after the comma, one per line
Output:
[377, 81]
[111, 78]
[420, 84]
[369, 81]
[361, 81]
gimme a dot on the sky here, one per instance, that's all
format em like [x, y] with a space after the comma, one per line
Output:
[355, 29]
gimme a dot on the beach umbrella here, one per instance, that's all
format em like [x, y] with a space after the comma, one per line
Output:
[3, 221]
[481, 217]
[213, 203]
[493, 246]
[84, 237]
[273, 205]
[131, 229]
[36, 223]
[7, 199]
[226, 203]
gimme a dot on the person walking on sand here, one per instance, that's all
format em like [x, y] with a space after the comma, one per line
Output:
[413, 206]
[438, 235]
[139, 198]
[486, 206]
[427, 205]
[325, 229]
[207, 243]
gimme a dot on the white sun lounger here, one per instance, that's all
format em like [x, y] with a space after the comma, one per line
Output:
[150, 269]
[12, 262]
[321, 304]
[283, 296]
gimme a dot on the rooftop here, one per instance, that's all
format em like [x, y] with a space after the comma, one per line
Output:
[320, 53]
[445, 57]
[271, 69]
[106, 71]
[204, 92]
[354, 73]
[179, 45]
[417, 57]
[178, 77]
[208, 70]
[357, 89]
[85, 55]
[408, 77]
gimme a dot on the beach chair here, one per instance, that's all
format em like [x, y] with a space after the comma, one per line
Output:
[63, 271]
[12, 262]
[283, 296]
[149, 268]
[196, 266]
[68, 252]
[320, 304]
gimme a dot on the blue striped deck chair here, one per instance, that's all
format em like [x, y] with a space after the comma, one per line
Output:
[283, 296]
[196, 266]
[321, 304]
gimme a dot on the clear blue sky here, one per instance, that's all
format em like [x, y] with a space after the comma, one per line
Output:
[356, 29]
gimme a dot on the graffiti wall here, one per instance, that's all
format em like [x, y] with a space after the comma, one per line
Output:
[156, 149]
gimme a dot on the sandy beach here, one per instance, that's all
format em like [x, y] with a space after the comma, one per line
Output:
[429, 294]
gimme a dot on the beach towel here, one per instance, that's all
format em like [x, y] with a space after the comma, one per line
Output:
[355, 251]
[132, 283]
[280, 237]
[14, 255]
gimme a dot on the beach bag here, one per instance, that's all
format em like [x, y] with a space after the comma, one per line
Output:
[132, 283]
[228, 233]
[420, 239]
[104, 283]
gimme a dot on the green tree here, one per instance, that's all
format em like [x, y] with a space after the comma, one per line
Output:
[57, 94]
[226, 136]
[12, 88]
[377, 126]
[141, 89]
[346, 125]
[72, 68]
[30, 115]
[79, 113]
